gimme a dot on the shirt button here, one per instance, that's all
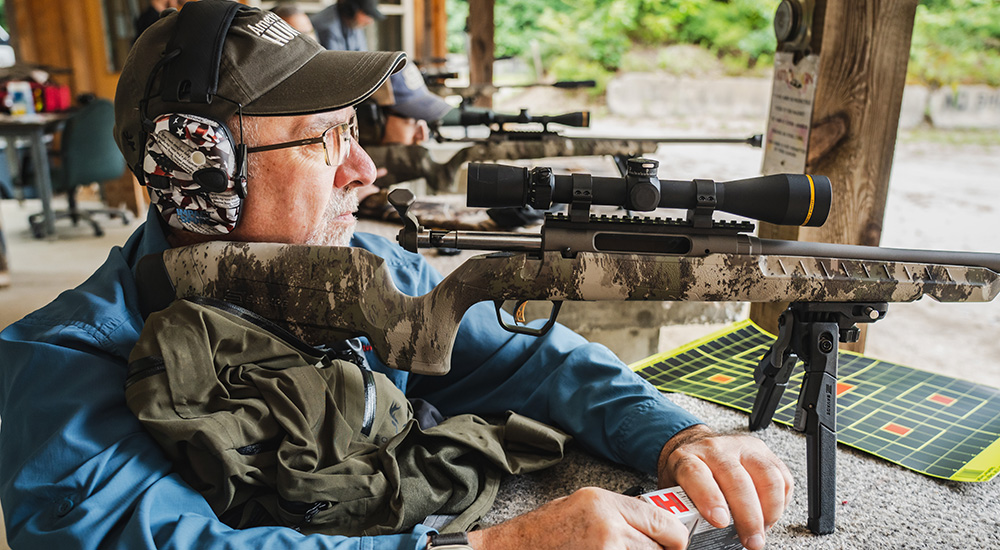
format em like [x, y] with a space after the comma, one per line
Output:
[64, 507]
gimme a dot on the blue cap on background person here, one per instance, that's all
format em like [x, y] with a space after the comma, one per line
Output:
[413, 99]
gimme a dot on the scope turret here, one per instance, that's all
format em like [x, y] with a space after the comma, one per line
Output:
[782, 199]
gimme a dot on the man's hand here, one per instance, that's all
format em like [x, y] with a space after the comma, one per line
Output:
[739, 470]
[589, 519]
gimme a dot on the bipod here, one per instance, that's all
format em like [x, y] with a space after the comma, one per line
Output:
[809, 331]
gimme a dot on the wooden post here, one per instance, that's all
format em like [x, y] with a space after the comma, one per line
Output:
[863, 50]
[481, 48]
[431, 26]
[421, 28]
[439, 28]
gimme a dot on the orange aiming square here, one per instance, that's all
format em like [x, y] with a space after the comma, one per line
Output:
[894, 428]
[942, 399]
[843, 388]
[721, 378]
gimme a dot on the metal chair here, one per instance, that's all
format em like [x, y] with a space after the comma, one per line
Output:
[87, 154]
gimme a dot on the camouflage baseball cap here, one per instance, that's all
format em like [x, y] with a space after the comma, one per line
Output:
[266, 66]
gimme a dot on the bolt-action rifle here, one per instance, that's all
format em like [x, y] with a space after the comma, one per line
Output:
[325, 294]
[508, 140]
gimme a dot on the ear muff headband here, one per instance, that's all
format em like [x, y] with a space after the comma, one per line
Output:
[195, 171]
[201, 33]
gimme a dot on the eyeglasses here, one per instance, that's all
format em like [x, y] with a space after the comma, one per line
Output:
[336, 142]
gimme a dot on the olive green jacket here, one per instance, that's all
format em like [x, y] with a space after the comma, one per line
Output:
[275, 432]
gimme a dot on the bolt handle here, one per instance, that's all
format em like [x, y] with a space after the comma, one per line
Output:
[402, 199]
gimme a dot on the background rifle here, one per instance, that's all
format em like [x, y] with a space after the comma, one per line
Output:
[436, 83]
[324, 294]
[509, 140]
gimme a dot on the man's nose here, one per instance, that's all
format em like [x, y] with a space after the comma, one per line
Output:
[358, 170]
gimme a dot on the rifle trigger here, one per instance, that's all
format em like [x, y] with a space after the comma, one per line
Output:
[519, 312]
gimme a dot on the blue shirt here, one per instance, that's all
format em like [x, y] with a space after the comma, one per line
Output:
[334, 34]
[77, 469]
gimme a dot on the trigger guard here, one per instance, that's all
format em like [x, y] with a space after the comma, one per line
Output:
[544, 329]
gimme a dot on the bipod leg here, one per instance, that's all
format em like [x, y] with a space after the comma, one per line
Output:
[772, 374]
[816, 415]
[818, 328]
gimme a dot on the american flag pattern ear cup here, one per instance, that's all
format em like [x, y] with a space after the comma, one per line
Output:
[179, 146]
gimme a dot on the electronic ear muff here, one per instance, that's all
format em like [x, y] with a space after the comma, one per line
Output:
[195, 171]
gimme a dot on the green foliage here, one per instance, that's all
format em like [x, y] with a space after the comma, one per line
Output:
[730, 28]
[956, 42]
[518, 21]
[596, 36]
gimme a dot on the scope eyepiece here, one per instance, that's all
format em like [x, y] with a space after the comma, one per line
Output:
[497, 185]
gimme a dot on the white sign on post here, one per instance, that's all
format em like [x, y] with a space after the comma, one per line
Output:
[792, 96]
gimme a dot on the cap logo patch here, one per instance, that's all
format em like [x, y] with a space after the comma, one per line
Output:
[273, 29]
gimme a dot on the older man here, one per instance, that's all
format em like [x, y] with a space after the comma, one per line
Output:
[266, 152]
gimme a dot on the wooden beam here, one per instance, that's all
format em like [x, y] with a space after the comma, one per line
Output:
[421, 26]
[78, 58]
[439, 28]
[431, 29]
[481, 47]
[863, 48]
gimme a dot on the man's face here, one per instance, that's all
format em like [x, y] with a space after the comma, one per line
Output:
[404, 131]
[362, 20]
[292, 195]
[301, 23]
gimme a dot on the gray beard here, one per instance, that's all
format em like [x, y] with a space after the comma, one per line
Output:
[333, 232]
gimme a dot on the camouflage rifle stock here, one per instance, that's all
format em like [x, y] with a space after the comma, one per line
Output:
[324, 294]
[410, 162]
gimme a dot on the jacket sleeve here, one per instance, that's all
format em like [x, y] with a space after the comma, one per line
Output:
[560, 379]
[77, 470]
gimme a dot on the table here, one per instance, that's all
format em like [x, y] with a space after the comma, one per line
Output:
[34, 127]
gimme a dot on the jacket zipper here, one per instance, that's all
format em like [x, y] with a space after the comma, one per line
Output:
[144, 368]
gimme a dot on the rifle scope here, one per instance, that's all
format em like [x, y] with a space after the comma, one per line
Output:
[782, 199]
[578, 119]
